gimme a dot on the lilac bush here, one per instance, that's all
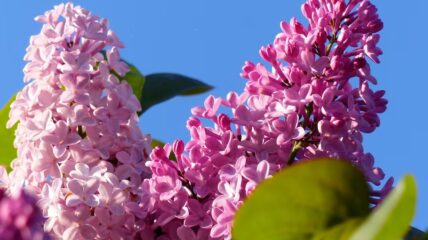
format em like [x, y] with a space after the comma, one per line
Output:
[93, 173]
[80, 150]
[315, 100]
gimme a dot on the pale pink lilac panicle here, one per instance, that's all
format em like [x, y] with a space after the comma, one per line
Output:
[80, 150]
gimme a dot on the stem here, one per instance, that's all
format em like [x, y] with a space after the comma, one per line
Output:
[296, 147]
[334, 36]
[330, 44]
[308, 112]
[302, 142]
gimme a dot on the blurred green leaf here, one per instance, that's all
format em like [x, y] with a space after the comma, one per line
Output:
[391, 219]
[304, 200]
[7, 136]
[340, 231]
[321, 200]
[160, 87]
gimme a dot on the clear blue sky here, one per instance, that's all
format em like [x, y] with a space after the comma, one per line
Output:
[210, 40]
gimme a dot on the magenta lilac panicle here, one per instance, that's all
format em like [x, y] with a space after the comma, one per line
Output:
[315, 100]
[80, 149]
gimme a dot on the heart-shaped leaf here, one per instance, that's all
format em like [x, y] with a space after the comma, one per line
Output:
[321, 200]
[302, 201]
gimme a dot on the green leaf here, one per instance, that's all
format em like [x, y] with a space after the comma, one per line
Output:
[341, 231]
[304, 200]
[391, 219]
[160, 87]
[325, 199]
[7, 136]
[135, 79]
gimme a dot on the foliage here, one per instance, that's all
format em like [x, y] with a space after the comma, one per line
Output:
[7, 136]
[323, 199]
[160, 87]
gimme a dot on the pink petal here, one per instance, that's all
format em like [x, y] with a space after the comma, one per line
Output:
[185, 233]
[72, 138]
[103, 216]
[59, 150]
[87, 231]
[219, 230]
[206, 222]
[83, 169]
[75, 187]
[263, 170]
[92, 186]
[92, 200]
[250, 173]
[191, 221]
[70, 233]
[123, 157]
[117, 209]
[72, 201]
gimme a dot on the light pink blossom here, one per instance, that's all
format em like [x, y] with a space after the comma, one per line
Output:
[80, 150]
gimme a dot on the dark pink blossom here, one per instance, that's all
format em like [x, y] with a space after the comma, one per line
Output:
[313, 99]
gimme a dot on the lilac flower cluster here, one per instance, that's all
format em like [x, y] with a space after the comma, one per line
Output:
[20, 218]
[315, 100]
[80, 150]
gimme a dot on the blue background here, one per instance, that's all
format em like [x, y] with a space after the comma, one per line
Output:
[210, 40]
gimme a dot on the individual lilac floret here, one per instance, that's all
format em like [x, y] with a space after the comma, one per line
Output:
[80, 150]
[314, 100]
[20, 217]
